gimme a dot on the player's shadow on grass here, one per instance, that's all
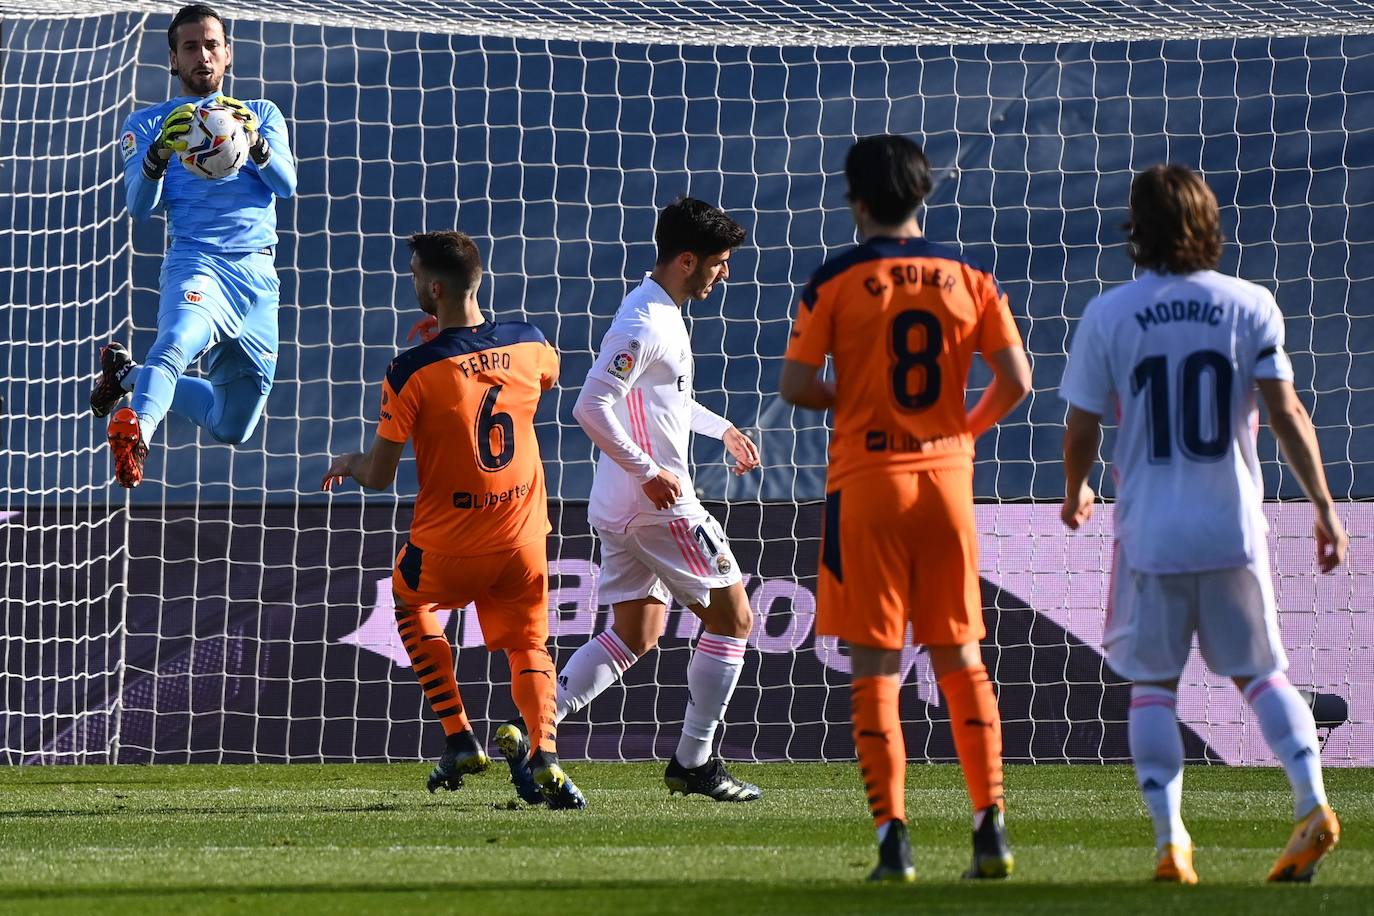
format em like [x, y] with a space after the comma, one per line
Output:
[42, 813]
[763, 896]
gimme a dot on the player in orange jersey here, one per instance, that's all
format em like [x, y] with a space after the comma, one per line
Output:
[902, 317]
[466, 398]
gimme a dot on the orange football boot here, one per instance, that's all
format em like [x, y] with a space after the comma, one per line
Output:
[1313, 837]
[1175, 865]
[127, 447]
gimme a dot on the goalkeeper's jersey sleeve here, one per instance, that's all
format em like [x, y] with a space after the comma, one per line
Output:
[230, 215]
[466, 400]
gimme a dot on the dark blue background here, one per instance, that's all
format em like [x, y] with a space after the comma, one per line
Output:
[556, 156]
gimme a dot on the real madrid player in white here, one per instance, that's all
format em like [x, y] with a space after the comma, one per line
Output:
[657, 540]
[1179, 352]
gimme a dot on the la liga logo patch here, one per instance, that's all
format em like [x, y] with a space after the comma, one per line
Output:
[128, 144]
[621, 364]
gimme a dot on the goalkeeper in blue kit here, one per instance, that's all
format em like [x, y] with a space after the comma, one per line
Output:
[219, 283]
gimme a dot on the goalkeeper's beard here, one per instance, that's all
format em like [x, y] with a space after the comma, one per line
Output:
[200, 84]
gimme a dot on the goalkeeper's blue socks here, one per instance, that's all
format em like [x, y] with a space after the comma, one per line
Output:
[181, 337]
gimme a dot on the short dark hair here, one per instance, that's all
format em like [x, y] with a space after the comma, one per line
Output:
[196, 12]
[1175, 224]
[688, 224]
[890, 174]
[450, 254]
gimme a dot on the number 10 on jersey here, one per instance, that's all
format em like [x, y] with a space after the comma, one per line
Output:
[1186, 416]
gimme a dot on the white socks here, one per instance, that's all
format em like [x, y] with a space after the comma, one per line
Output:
[712, 675]
[1287, 725]
[595, 666]
[1157, 749]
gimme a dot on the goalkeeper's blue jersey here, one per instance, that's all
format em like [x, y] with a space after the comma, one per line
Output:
[234, 214]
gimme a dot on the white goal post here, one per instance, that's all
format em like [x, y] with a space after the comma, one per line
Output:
[226, 611]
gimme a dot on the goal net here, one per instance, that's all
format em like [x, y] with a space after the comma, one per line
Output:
[227, 611]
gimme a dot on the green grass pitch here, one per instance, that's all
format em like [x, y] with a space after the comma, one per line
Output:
[302, 839]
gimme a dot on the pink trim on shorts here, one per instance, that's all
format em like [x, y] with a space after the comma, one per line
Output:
[695, 562]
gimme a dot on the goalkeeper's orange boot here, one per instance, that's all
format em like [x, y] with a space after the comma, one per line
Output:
[115, 363]
[1313, 837]
[1175, 864]
[127, 447]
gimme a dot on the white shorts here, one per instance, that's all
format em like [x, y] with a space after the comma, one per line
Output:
[683, 559]
[1151, 620]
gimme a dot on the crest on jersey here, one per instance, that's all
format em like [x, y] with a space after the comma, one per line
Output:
[128, 144]
[723, 564]
[621, 364]
[634, 345]
[192, 296]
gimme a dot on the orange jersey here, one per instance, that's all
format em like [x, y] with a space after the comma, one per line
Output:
[902, 319]
[467, 399]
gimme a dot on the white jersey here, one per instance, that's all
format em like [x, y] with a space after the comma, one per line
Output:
[646, 357]
[1177, 356]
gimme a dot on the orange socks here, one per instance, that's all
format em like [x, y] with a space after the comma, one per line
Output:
[533, 687]
[977, 727]
[431, 657]
[881, 748]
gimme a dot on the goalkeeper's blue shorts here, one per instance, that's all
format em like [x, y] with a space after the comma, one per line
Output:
[224, 306]
[238, 296]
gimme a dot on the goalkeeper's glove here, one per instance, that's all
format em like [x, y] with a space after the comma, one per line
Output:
[258, 149]
[171, 138]
[240, 111]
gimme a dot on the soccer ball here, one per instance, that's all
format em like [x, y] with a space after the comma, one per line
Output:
[216, 144]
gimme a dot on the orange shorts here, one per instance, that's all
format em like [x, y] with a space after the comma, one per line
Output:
[901, 548]
[509, 588]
